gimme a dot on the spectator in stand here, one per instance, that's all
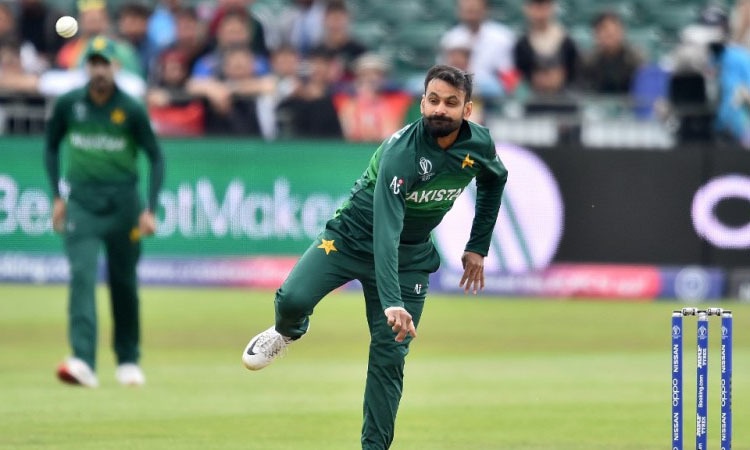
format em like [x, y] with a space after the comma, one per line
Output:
[372, 111]
[693, 73]
[547, 81]
[337, 38]
[301, 25]
[13, 77]
[238, 72]
[172, 110]
[740, 23]
[190, 38]
[132, 27]
[162, 25]
[234, 30]
[232, 94]
[545, 39]
[18, 86]
[258, 39]
[31, 61]
[36, 24]
[168, 84]
[609, 68]
[285, 66]
[491, 42]
[551, 96]
[308, 112]
[93, 20]
[732, 61]
[733, 116]
[456, 51]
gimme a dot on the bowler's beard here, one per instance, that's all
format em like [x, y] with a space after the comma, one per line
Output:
[440, 126]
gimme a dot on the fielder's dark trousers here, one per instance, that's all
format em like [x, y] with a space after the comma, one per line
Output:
[316, 274]
[112, 224]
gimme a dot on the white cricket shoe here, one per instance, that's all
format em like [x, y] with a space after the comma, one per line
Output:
[129, 374]
[264, 348]
[75, 371]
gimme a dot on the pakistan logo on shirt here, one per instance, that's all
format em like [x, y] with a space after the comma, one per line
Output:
[117, 116]
[425, 169]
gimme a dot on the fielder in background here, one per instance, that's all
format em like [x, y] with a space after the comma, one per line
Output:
[381, 237]
[100, 129]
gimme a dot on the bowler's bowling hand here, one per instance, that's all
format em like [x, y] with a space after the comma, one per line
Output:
[400, 322]
[473, 277]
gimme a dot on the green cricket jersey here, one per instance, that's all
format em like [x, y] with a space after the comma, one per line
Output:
[101, 142]
[409, 186]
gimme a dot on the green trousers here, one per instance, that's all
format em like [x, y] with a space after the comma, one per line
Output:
[316, 274]
[108, 218]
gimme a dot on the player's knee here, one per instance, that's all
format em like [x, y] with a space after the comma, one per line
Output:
[387, 354]
[82, 274]
[292, 302]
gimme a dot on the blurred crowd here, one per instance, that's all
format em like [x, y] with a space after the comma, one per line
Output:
[216, 68]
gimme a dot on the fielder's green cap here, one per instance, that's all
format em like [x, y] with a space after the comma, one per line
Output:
[102, 47]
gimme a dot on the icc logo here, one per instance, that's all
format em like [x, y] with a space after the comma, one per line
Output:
[425, 169]
[702, 333]
[724, 332]
[676, 331]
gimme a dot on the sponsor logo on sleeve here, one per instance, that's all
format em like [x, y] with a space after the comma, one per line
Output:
[396, 184]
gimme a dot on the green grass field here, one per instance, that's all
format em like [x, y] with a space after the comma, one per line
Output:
[485, 373]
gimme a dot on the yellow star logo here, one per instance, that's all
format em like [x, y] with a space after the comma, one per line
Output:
[118, 116]
[328, 246]
[467, 162]
[135, 234]
[99, 43]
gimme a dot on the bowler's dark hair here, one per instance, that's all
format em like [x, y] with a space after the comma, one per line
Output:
[453, 76]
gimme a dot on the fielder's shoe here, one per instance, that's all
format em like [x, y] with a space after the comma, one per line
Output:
[74, 371]
[264, 348]
[129, 374]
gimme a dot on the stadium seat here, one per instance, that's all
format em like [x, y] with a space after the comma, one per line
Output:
[645, 39]
[398, 13]
[582, 36]
[371, 33]
[441, 10]
[417, 46]
[670, 17]
[583, 12]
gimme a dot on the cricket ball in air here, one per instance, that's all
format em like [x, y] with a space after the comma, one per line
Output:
[66, 26]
